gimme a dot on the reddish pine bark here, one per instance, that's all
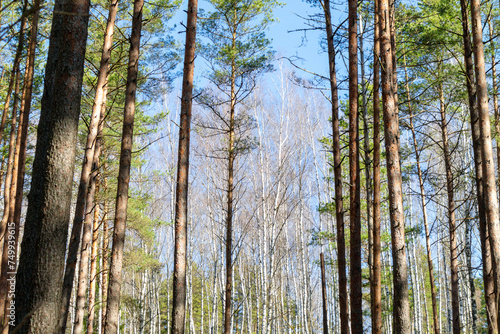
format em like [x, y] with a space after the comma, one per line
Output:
[337, 171]
[115, 273]
[489, 183]
[376, 279]
[181, 208]
[354, 176]
[20, 159]
[489, 288]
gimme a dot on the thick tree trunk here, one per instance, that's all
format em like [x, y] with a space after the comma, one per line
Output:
[354, 176]
[41, 266]
[490, 193]
[181, 204]
[376, 278]
[74, 243]
[401, 306]
[337, 170]
[115, 273]
[489, 289]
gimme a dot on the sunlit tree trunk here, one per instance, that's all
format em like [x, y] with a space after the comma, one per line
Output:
[489, 183]
[41, 266]
[376, 278]
[354, 176]
[489, 289]
[337, 170]
[115, 270]
[99, 99]
[181, 205]
[401, 306]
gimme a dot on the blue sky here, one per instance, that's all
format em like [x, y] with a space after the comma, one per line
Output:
[285, 42]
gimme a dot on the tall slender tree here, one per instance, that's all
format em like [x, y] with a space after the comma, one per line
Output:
[238, 51]
[489, 284]
[489, 183]
[337, 170]
[181, 203]
[354, 176]
[401, 306]
[376, 277]
[115, 269]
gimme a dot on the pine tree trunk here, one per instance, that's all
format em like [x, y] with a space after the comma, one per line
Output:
[489, 289]
[455, 297]
[490, 193]
[229, 203]
[323, 294]
[41, 267]
[10, 178]
[6, 228]
[354, 176]
[367, 160]
[22, 133]
[375, 283]
[115, 270]
[181, 204]
[495, 94]
[337, 170]
[14, 73]
[93, 269]
[424, 210]
[105, 260]
[86, 246]
[401, 307]
[74, 243]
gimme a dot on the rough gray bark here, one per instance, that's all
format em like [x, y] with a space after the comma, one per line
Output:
[489, 289]
[489, 183]
[74, 243]
[401, 306]
[41, 266]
